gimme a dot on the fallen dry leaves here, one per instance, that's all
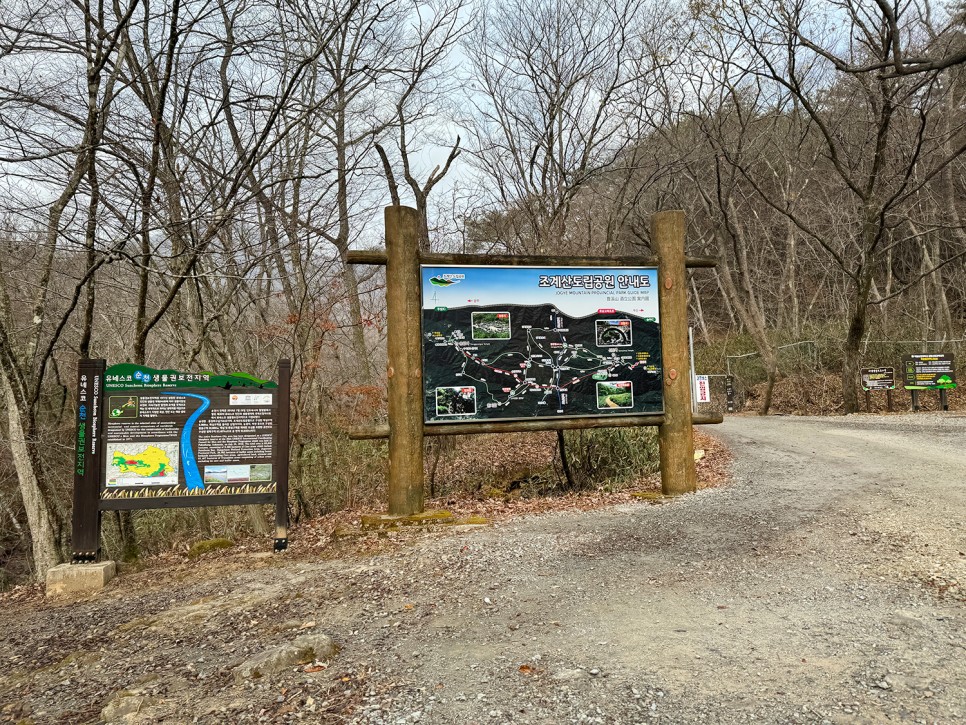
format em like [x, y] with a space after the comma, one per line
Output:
[314, 538]
[822, 395]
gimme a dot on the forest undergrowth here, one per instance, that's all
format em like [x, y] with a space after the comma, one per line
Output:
[484, 481]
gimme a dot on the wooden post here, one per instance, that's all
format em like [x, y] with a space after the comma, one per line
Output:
[403, 318]
[868, 402]
[914, 394]
[889, 400]
[675, 434]
[944, 400]
[284, 413]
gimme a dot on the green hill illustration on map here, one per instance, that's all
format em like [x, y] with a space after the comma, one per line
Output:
[152, 462]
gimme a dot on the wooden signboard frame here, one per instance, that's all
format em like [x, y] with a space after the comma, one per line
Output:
[406, 428]
[89, 465]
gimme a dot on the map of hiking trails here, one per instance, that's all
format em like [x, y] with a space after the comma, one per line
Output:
[512, 343]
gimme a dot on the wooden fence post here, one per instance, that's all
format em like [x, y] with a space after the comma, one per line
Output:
[675, 434]
[405, 386]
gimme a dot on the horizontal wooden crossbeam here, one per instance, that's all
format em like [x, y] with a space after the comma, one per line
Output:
[378, 256]
[173, 502]
[529, 426]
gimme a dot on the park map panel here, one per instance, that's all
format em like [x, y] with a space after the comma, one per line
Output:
[517, 343]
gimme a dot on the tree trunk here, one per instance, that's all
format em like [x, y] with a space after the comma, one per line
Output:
[44, 522]
[699, 313]
[853, 341]
[565, 464]
[359, 346]
[791, 263]
[770, 359]
[257, 517]
[130, 550]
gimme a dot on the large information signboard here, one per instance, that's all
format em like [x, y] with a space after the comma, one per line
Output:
[171, 434]
[151, 438]
[929, 372]
[512, 343]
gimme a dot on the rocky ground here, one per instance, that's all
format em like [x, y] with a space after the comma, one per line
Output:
[824, 584]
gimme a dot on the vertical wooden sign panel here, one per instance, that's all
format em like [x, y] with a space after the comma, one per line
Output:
[88, 455]
[675, 435]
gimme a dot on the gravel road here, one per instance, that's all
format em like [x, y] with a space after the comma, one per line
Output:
[824, 584]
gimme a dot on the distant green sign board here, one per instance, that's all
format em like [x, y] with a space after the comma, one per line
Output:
[929, 372]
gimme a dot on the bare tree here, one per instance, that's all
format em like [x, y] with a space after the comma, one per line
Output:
[878, 133]
[31, 142]
[558, 95]
[424, 81]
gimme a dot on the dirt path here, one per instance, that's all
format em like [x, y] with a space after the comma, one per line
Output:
[824, 585]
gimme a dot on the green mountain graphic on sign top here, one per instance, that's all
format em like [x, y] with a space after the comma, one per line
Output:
[442, 281]
[127, 375]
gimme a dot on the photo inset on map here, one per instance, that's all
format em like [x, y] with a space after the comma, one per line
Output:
[615, 394]
[143, 464]
[261, 472]
[125, 406]
[239, 473]
[216, 474]
[455, 401]
[614, 333]
[491, 325]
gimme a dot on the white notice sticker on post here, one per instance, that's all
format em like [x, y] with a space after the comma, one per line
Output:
[703, 388]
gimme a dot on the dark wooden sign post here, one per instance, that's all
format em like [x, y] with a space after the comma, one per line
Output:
[406, 391]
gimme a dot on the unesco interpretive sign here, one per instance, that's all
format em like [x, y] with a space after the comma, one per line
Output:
[170, 434]
[929, 372]
[150, 438]
[515, 343]
[878, 378]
